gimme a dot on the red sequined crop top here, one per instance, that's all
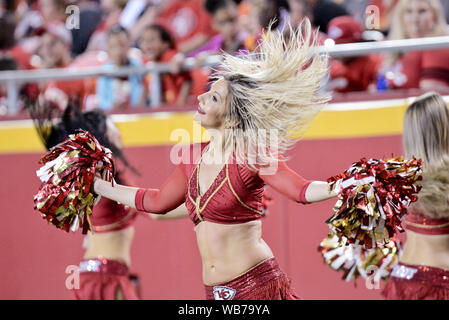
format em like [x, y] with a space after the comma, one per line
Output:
[425, 225]
[235, 195]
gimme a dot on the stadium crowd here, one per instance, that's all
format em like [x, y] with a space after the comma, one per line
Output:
[47, 34]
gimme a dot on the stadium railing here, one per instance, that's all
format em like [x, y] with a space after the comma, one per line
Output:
[15, 78]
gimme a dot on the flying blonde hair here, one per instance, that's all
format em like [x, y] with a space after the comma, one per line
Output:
[274, 90]
[426, 136]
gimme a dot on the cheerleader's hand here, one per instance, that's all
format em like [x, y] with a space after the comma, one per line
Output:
[336, 188]
[98, 180]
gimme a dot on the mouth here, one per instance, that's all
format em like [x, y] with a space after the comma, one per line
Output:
[200, 111]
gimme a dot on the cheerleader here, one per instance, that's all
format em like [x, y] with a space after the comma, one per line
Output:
[423, 270]
[275, 90]
[104, 272]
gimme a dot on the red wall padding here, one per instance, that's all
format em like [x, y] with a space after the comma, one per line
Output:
[35, 255]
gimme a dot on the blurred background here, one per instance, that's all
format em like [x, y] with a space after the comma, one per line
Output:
[144, 62]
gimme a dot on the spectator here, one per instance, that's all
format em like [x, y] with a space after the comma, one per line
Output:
[6, 64]
[188, 22]
[29, 19]
[298, 11]
[90, 16]
[7, 26]
[351, 73]
[53, 11]
[55, 46]
[245, 24]
[157, 45]
[35, 16]
[7, 6]
[9, 51]
[357, 8]
[418, 69]
[7, 42]
[225, 22]
[112, 9]
[261, 14]
[269, 11]
[147, 18]
[119, 92]
[323, 11]
[55, 52]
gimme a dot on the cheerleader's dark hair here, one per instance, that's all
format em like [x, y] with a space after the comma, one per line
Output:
[54, 127]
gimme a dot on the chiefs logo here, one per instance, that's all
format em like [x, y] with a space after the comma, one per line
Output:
[223, 293]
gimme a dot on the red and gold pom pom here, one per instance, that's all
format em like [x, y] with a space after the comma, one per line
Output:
[64, 197]
[373, 199]
[354, 260]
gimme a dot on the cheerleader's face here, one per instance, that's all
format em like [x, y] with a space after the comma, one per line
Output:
[212, 106]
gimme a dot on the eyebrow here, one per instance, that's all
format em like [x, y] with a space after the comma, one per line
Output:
[218, 94]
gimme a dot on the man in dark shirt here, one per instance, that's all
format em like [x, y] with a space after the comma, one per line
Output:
[90, 16]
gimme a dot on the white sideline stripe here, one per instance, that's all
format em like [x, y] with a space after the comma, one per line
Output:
[344, 106]
[375, 104]
[16, 124]
[28, 123]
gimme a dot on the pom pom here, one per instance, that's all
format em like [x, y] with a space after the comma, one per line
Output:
[354, 260]
[64, 197]
[373, 199]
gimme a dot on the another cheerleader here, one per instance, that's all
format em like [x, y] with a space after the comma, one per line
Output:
[256, 110]
[423, 270]
[104, 273]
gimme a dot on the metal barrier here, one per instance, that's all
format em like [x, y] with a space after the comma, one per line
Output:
[14, 78]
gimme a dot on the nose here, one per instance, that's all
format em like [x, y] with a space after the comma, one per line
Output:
[201, 97]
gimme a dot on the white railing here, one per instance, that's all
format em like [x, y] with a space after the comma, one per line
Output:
[15, 78]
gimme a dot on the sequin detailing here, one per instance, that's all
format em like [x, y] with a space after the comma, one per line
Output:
[265, 281]
[226, 201]
[104, 266]
[401, 271]
[201, 201]
[431, 275]
[424, 225]
[215, 186]
[90, 266]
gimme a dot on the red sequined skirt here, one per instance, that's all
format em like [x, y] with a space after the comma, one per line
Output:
[265, 281]
[409, 282]
[102, 279]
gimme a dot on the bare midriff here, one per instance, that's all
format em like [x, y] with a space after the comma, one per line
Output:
[427, 250]
[114, 245]
[229, 250]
